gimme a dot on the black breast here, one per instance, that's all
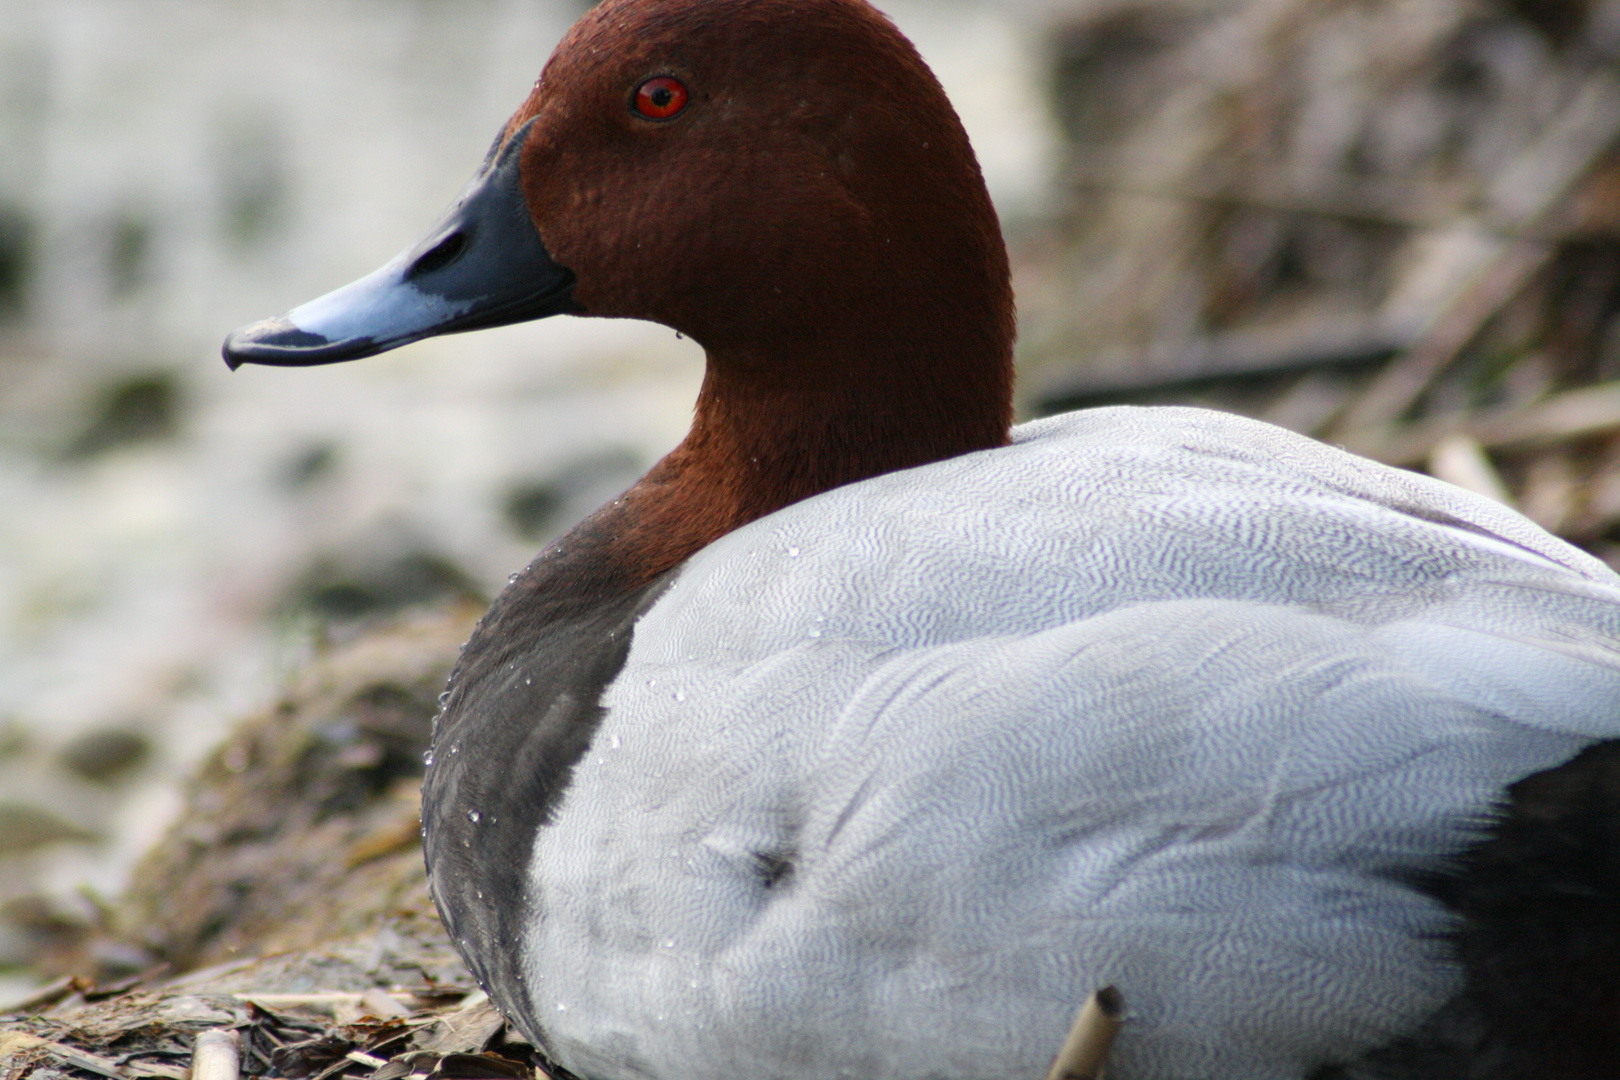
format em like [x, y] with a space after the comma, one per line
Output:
[522, 708]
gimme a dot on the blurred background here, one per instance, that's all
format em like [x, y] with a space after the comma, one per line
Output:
[1392, 224]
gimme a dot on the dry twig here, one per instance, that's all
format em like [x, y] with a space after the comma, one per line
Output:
[218, 1055]
[1574, 414]
[328, 1001]
[45, 996]
[17, 1044]
[1085, 1052]
[1459, 459]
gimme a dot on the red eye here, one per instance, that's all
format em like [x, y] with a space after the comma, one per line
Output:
[660, 97]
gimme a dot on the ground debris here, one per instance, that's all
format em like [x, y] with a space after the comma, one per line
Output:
[314, 799]
[430, 1030]
[289, 905]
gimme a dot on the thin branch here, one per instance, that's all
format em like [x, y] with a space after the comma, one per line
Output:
[218, 1055]
[1459, 459]
[1574, 414]
[1085, 1051]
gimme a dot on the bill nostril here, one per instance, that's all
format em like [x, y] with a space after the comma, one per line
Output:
[440, 255]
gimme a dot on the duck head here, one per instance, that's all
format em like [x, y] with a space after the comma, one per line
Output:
[783, 181]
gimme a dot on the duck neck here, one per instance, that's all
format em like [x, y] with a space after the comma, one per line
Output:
[760, 442]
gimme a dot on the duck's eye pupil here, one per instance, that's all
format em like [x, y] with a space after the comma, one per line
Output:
[660, 97]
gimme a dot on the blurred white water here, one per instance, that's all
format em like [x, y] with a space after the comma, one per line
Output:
[170, 169]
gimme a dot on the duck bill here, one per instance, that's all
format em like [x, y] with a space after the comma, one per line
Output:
[482, 265]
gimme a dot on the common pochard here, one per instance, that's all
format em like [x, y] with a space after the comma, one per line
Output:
[866, 735]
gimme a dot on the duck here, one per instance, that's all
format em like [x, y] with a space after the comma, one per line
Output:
[867, 734]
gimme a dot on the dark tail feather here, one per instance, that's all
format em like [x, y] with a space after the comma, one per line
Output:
[1540, 941]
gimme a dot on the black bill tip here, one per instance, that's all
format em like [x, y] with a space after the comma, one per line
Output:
[279, 343]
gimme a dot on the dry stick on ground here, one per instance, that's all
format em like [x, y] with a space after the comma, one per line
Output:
[1085, 1052]
[1574, 414]
[45, 996]
[1407, 203]
[1313, 339]
[1552, 491]
[1526, 193]
[1406, 377]
[17, 1044]
[329, 1000]
[1460, 459]
[218, 1055]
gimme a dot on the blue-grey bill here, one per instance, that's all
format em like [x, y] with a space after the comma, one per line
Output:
[483, 264]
